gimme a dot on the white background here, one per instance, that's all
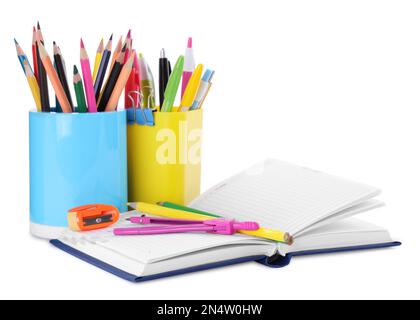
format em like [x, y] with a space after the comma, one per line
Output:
[331, 85]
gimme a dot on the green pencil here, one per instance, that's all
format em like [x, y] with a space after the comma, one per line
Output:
[80, 93]
[183, 208]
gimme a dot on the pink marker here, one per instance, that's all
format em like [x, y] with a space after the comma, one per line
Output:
[216, 226]
[87, 79]
[189, 65]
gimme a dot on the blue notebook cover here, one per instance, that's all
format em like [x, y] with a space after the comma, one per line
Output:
[276, 261]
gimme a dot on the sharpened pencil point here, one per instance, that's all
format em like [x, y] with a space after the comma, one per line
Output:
[189, 43]
[75, 71]
[129, 34]
[16, 43]
[110, 38]
[82, 45]
[38, 25]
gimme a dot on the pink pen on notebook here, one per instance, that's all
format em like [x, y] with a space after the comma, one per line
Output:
[189, 66]
[87, 79]
[216, 226]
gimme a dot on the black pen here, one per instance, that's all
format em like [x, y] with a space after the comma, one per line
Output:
[164, 73]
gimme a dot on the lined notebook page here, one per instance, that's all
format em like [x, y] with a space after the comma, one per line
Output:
[283, 196]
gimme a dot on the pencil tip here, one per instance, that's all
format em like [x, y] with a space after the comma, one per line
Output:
[54, 43]
[82, 45]
[140, 55]
[33, 29]
[129, 34]
[110, 38]
[38, 25]
[189, 43]
[16, 43]
[75, 71]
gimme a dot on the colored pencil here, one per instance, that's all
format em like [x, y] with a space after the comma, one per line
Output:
[78, 89]
[57, 103]
[35, 62]
[170, 210]
[87, 78]
[21, 55]
[59, 61]
[132, 88]
[98, 59]
[116, 54]
[33, 85]
[55, 80]
[119, 86]
[111, 81]
[102, 69]
[42, 75]
[128, 43]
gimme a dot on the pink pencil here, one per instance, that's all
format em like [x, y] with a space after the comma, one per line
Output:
[87, 79]
[189, 66]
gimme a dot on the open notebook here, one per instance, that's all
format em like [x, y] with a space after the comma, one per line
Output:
[314, 207]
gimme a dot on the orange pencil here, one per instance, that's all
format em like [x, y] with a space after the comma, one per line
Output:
[55, 81]
[129, 43]
[120, 85]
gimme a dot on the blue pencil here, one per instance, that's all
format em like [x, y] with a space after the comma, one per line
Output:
[21, 56]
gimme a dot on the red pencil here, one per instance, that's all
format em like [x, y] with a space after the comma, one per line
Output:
[132, 88]
[34, 59]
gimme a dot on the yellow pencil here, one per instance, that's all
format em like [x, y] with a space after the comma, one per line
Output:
[191, 89]
[98, 59]
[33, 85]
[165, 212]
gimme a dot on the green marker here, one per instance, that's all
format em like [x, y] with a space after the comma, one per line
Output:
[173, 85]
[80, 93]
[183, 208]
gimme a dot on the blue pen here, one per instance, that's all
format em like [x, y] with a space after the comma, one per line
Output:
[204, 88]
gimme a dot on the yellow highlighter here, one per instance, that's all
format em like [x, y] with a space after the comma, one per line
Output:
[191, 90]
[192, 214]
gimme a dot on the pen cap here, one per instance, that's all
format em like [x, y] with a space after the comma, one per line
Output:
[75, 159]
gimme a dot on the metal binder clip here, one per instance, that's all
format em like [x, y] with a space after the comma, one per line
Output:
[144, 115]
[131, 113]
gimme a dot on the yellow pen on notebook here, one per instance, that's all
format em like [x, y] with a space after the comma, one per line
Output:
[191, 90]
[168, 210]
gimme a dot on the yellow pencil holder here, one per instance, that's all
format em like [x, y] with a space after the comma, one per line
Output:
[164, 160]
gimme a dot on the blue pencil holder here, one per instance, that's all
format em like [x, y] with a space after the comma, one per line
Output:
[75, 159]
